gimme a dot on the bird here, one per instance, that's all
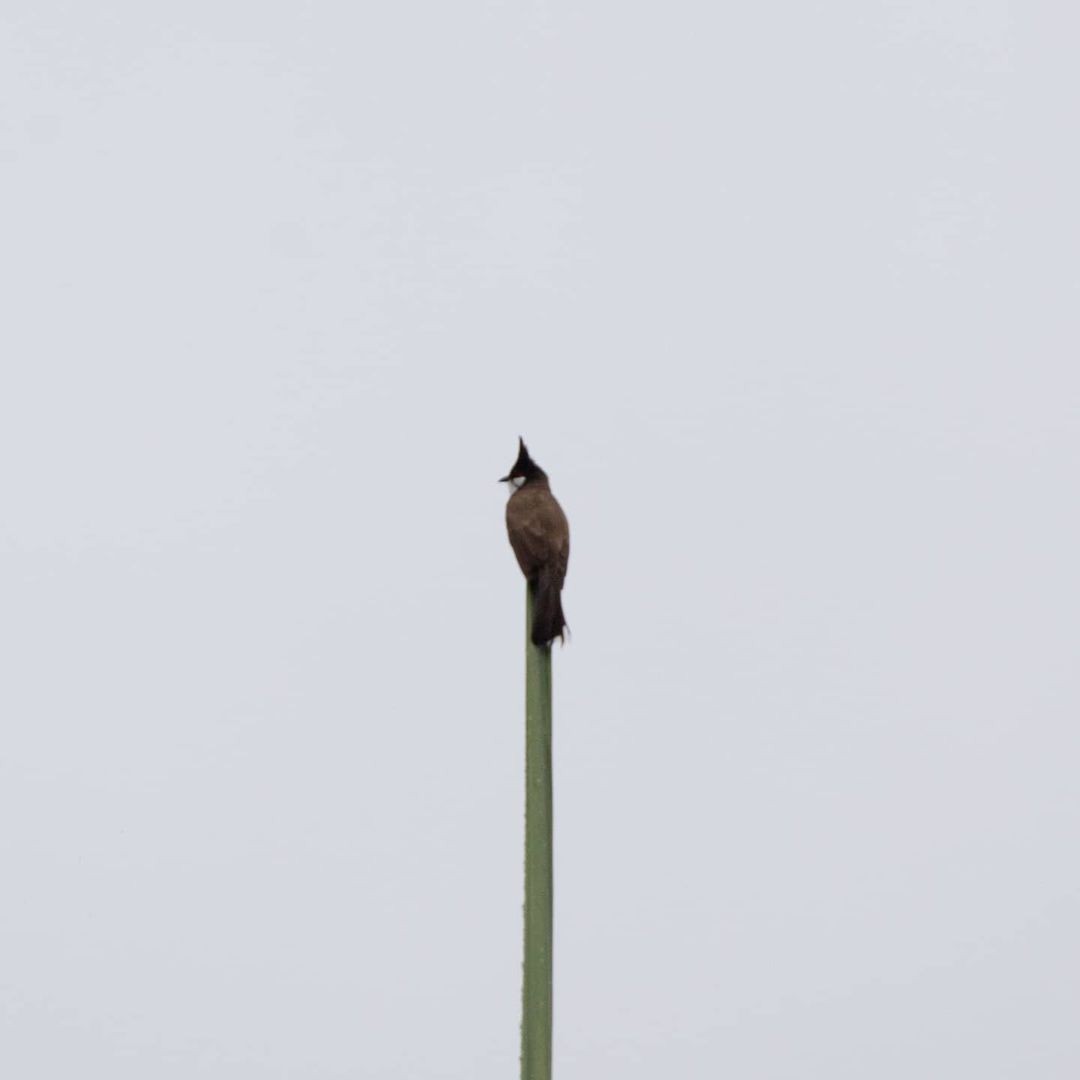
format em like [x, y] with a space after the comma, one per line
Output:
[540, 536]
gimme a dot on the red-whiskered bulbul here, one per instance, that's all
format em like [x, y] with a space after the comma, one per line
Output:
[540, 537]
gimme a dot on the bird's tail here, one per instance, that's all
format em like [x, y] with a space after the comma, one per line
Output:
[548, 620]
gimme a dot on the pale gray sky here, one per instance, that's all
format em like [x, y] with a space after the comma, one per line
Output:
[784, 299]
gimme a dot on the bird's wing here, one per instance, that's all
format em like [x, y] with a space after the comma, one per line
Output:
[548, 530]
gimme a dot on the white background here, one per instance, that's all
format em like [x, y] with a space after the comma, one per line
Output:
[783, 297]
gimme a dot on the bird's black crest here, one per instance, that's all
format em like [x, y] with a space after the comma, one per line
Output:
[524, 466]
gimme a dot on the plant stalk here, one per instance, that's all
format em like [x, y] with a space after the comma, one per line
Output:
[536, 996]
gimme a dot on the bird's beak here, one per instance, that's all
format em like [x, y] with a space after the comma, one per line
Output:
[503, 480]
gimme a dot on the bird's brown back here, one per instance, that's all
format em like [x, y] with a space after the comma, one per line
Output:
[538, 529]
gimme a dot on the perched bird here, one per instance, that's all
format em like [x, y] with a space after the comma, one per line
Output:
[540, 537]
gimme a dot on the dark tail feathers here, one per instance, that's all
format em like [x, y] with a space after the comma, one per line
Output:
[548, 620]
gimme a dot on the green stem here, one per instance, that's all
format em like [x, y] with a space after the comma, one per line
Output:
[536, 981]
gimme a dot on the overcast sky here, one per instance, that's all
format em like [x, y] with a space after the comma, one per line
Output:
[784, 299]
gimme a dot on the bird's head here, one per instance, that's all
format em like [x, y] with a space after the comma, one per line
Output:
[524, 469]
